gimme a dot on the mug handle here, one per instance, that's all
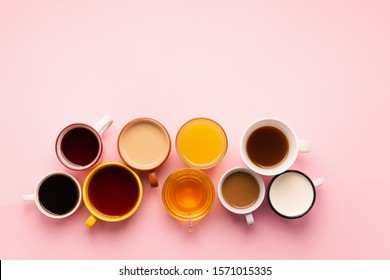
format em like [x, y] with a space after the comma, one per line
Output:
[249, 219]
[318, 182]
[28, 197]
[102, 125]
[91, 221]
[304, 146]
[153, 179]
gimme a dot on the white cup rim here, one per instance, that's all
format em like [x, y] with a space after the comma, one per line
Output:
[292, 140]
[47, 213]
[259, 200]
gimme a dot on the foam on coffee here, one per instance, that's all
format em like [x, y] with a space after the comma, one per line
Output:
[291, 194]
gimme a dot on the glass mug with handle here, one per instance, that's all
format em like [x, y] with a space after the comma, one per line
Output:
[188, 195]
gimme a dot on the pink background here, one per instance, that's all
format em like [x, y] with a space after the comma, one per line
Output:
[322, 66]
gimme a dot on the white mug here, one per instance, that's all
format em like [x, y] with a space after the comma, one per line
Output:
[58, 195]
[237, 188]
[294, 146]
[79, 146]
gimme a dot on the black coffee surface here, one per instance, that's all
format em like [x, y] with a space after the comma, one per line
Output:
[58, 194]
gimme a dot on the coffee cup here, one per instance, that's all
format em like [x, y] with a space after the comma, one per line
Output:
[144, 144]
[79, 146]
[241, 191]
[201, 143]
[188, 195]
[57, 195]
[270, 146]
[292, 194]
[112, 192]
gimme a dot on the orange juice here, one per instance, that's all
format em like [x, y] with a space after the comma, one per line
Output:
[201, 143]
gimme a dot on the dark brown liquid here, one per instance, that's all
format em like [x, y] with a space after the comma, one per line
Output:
[58, 194]
[113, 191]
[240, 190]
[267, 146]
[80, 146]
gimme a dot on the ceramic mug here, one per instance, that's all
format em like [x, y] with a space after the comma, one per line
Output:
[292, 194]
[201, 143]
[188, 195]
[79, 146]
[270, 146]
[144, 144]
[112, 192]
[57, 195]
[241, 191]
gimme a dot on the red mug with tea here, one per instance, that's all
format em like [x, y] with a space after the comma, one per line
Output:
[79, 146]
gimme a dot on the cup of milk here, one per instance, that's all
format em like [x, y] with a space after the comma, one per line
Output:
[292, 194]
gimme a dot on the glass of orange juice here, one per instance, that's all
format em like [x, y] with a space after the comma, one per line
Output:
[201, 143]
[188, 195]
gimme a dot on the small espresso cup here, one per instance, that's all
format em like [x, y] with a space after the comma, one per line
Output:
[241, 191]
[201, 143]
[144, 144]
[79, 146]
[57, 195]
[270, 146]
[112, 192]
[292, 194]
[188, 195]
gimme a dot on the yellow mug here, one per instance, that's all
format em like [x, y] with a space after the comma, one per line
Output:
[112, 192]
[188, 195]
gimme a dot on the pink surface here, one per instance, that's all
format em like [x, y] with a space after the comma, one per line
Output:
[321, 66]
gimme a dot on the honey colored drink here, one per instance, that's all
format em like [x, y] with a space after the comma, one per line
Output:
[188, 194]
[201, 143]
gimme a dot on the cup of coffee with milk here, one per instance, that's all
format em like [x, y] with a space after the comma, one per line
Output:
[269, 147]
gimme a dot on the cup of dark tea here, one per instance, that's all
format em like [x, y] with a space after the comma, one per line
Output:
[270, 146]
[57, 195]
[112, 192]
[79, 146]
[292, 194]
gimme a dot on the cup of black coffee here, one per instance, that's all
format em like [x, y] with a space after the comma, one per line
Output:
[57, 195]
[270, 146]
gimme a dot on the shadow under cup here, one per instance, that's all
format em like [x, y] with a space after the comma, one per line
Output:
[188, 195]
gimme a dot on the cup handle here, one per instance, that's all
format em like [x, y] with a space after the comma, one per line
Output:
[28, 197]
[102, 125]
[153, 179]
[249, 219]
[91, 221]
[318, 182]
[304, 146]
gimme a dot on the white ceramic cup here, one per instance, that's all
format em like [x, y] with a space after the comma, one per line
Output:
[75, 201]
[96, 131]
[295, 146]
[248, 210]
